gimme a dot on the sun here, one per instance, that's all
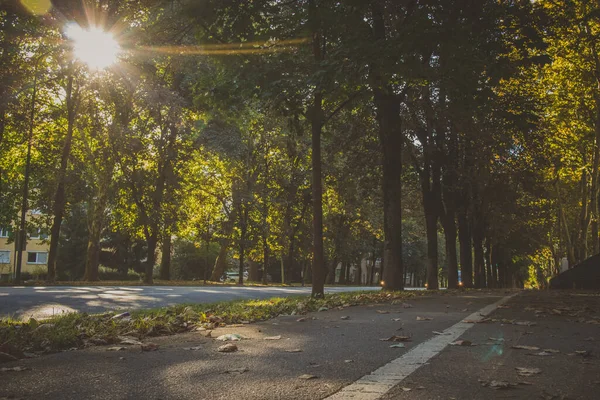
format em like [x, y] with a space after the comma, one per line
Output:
[93, 46]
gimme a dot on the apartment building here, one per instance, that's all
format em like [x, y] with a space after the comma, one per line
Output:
[35, 256]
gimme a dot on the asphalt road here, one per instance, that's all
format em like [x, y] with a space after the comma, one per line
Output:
[44, 301]
[187, 366]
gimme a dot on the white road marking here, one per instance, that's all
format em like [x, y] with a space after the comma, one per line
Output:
[382, 380]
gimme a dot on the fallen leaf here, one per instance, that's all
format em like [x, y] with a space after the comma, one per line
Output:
[323, 309]
[301, 320]
[236, 370]
[382, 312]
[273, 337]
[462, 343]
[438, 333]
[294, 351]
[149, 347]
[405, 389]
[584, 353]
[500, 385]
[420, 387]
[121, 316]
[524, 323]
[424, 319]
[128, 340]
[464, 310]
[307, 377]
[397, 346]
[230, 337]
[396, 338]
[551, 351]
[541, 354]
[227, 348]
[396, 319]
[13, 369]
[345, 317]
[496, 339]
[117, 348]
[523, 347]
[528, 371]
[193, 348]
[348, 361]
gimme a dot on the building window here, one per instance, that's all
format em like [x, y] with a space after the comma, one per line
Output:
[38, 234]
[37, 257]
[4, 232]
[4, 256]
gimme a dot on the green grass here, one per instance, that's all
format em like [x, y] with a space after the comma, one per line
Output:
[78, 330]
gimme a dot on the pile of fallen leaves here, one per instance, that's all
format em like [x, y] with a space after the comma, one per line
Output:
[71, 331]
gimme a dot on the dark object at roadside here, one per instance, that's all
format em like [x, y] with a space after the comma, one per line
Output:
[585, 275]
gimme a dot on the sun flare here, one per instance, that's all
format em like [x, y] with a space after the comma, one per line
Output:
[93, 46]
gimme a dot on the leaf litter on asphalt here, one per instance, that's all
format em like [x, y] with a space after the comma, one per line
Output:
[307, 377]
[522, 371]
[397, 338]
[424, 319]
[523, 347]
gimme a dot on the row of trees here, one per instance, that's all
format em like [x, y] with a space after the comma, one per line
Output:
[297, 135]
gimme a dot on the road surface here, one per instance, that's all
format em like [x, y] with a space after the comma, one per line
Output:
[44, 301]
[337, 347]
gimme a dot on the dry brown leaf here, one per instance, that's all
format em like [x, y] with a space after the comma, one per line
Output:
[117, 348]
[405, 389]
[424, 319]
[273, 337]
[397, 338]
[523, 347]
[149, 346]
[528, 371]
[307, 377]
[227, 348]
[462, 343]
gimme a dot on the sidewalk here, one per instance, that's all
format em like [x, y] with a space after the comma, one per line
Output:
[337, 352]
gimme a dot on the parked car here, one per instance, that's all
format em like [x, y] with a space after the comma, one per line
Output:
[233, 276]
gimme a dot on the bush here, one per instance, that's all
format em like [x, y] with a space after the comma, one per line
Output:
[108, 274]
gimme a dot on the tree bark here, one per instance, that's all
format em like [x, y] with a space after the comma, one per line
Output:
[316, 121]
[387, 105]
[59, 196]
[165, 260]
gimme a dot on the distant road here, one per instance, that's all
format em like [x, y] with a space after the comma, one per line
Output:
[45, 301]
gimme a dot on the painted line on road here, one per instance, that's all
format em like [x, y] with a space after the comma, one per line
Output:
[382, 380]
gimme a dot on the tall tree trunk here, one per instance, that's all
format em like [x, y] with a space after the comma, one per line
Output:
[316, 122]
[478, 252]
[253, 271]
[59, 196]
[98, 208]
[466, 248]
[265, 259]
[582, 248]
[451, 253]
[488, 263]
[387, 105]
[342, 279]
[431, 220]
[151, 242]
[165, 260]
[221, 261]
